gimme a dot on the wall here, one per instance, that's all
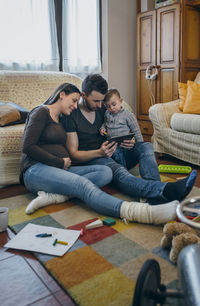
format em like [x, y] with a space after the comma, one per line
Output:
[119, 47]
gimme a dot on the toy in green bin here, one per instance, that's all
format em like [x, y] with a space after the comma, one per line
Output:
[174, 169]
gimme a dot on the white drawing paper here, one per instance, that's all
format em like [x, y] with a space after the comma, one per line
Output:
[26, 239]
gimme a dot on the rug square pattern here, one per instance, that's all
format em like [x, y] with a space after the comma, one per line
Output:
[77, 266]
[121, 226]
[17, 201]
[44, 220]
[95, 234]
[117, 249]
[19, 215]
[163, 253]
[166, 179]
[43, 257]
[132, 268]
[73, 215]
[94, 291]
[102, 267]
[57, 207]
[77, 245]
[145, 235]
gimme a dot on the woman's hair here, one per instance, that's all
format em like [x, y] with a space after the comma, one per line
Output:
[94, 82]
[68, 89]
[110, 93]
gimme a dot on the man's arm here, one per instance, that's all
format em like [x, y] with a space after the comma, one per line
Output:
[84, 156]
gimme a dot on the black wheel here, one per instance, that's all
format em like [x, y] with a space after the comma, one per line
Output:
[147, 285]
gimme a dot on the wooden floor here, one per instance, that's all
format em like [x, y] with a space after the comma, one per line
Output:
[23, 280]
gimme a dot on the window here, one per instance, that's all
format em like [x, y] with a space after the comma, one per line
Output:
[28, 35]
[30, 39]
[81, 36]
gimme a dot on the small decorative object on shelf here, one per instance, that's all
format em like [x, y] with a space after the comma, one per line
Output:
[160, 3]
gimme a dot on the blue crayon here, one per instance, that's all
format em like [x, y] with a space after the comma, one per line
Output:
[43, 235]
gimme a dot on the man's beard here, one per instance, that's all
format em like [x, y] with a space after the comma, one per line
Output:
[87, 105]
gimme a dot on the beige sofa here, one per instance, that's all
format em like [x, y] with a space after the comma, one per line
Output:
[26, 89]
[176, 133]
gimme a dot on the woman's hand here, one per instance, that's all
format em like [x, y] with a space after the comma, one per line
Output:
[107, 149]
[67, 162]
[128, 144]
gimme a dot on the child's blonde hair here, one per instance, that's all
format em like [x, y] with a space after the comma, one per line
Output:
[110, 93]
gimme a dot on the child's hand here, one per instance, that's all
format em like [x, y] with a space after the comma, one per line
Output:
[103, 132]
[128, 144]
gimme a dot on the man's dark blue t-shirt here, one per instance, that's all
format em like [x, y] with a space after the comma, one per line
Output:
[88, 134]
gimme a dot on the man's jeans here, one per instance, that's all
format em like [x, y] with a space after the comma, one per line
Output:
[149, 186]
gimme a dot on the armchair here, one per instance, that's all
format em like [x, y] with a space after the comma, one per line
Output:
[183, 145]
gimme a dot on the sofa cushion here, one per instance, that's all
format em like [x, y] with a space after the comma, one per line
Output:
[11, 139]
[8, 114]
[11, 113]
[186, 123]
[182, 91]
[192, 100]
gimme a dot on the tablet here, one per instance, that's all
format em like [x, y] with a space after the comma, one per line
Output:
[119, 139]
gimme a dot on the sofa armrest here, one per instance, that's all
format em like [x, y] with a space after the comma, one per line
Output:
[160, 114]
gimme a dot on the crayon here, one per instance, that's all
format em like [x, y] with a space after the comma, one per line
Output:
[60, 242]
[43, 235]
[55, 241]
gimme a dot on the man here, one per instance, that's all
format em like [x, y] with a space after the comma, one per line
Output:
[86, 146]
[85, 142]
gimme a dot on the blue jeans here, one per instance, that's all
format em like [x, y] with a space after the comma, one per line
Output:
[119, 156]
[143, 154]
[80, 182]
[149, 186]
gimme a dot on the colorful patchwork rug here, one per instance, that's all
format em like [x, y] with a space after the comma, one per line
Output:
[102, 266]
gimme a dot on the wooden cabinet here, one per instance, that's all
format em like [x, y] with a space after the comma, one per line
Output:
[169, 38]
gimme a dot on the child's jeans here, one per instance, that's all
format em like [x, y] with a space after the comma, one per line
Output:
[119, 156]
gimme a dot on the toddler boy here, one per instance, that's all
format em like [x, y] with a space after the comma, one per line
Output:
[119, 121]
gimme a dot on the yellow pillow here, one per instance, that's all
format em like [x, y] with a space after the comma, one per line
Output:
[197, 79]
[182, 91]
[192, 100]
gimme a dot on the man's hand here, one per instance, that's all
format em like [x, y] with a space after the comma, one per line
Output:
[107, 149]
[128, 144]
[67, 162]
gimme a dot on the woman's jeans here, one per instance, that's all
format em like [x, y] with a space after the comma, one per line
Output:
[149, 186]
[80, 182]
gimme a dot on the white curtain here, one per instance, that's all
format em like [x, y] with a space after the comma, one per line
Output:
[81, 36]
[28, 35]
